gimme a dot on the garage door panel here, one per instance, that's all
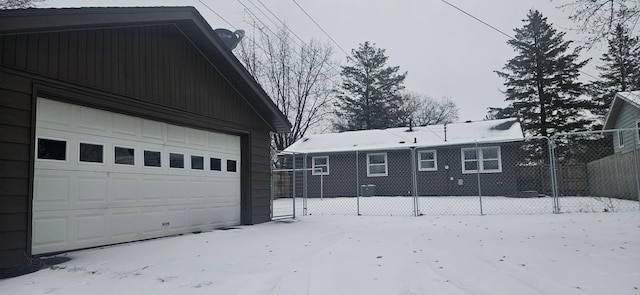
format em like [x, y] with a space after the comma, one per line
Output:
[92, 189]
[51, 189]
[50, 231]
[83, 204]
[91, 228]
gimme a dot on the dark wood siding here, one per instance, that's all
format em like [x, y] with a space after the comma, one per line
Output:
[15, 165]
[153, 71]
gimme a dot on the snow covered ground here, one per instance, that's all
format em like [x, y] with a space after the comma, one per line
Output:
[456, 205]
[595, 253]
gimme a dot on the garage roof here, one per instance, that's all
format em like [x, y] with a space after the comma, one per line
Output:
[187, 19]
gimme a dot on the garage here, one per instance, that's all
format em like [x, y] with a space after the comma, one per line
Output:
[104, 178]
[124, 124]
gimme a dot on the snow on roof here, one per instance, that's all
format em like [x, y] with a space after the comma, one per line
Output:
[631, 97]
[394, 138]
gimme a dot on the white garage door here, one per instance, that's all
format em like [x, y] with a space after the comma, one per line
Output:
[103, 178]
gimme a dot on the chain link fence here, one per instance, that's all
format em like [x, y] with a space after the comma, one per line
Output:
[578, 172]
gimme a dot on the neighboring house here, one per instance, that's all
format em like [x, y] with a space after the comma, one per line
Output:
[444, 156]
[624, 113]
[122, 124]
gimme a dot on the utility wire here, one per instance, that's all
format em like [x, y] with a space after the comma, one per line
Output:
[320, 27]
[498, 30]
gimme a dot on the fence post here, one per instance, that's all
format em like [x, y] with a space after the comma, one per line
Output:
[478, 174]
[636, 163]
[293, 192]
[305, 185]
[552, 171]
[272, 179]
[414, 182]
[357, 186]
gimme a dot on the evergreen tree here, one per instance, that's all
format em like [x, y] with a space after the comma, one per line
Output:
[369, 97]
[620, 70]
[541, 80]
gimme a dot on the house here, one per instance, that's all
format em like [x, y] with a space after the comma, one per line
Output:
[123, 124]
[448, 160]
[624, 113]
[616, 176]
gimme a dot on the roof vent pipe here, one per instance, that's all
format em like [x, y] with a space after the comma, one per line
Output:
[445, 132]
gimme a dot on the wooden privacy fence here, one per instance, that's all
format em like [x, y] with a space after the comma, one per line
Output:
[614, 176]
[572, 179]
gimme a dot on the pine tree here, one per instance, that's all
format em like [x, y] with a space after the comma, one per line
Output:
[541, 80]
[369, 97]
[620, 70]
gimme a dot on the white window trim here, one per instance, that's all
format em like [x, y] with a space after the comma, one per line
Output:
[386, 166]
[620, 139]
[314, 166]
[435, 160]
[480, 159]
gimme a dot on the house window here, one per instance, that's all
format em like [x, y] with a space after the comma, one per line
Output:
[91, 153]
[320, 165]
[51, 149]
[124, 156]
[487, 159]
[638, 131]
[197, 163]
[377, 165]
[215, 164]
[231, 166]
[176, 160]
[427, 161]
[620, 139]
[152, 159]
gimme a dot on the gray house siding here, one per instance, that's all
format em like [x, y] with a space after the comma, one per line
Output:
[343, 181]
[627, 118]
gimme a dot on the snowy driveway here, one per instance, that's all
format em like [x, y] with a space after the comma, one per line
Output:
[535, 254]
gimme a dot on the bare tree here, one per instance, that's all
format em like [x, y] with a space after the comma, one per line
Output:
[298, 79]
[14, 4]
[598, 18]
[424, 110]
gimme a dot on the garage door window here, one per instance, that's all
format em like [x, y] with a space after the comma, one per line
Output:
[51, 149]
[197, 163]
[176, 160]
[216, 164]
[124, 156]
[231, 165]
[91, 153]
[152, 159]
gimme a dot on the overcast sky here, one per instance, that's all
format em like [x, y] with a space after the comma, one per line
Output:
[445, 52]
